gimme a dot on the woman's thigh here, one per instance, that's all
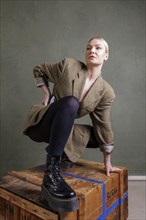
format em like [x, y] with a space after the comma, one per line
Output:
[41, 131]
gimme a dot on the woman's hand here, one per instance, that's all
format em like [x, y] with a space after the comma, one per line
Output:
[46, 95]
[45, 100]
[107, 163]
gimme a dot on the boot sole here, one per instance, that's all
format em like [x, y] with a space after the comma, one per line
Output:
[59, 205]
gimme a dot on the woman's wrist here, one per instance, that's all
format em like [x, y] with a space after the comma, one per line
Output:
[107, 157]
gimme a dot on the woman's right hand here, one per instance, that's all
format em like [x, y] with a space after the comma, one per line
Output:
[45, 100]
[108, 166]
[46, 95]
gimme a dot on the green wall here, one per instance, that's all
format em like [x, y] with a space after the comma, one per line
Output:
[33, 32]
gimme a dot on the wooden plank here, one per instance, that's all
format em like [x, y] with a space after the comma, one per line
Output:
[25, 215]
[68, 216]
[26, 175]
[2, 208]
[124, 210]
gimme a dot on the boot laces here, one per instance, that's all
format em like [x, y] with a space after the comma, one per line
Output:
[55, 176]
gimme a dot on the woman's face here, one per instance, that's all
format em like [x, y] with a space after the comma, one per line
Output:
[96, 52]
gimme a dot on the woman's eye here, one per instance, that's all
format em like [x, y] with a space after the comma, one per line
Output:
[98, 48]
[88, 48]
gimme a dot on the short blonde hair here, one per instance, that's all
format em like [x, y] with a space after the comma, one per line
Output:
[103, 41]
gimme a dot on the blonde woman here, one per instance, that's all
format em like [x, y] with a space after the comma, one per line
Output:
[79, 89]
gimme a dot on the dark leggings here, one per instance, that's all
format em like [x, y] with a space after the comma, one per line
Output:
[56, 125]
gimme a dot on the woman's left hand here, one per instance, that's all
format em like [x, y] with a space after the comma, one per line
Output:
[107, 162]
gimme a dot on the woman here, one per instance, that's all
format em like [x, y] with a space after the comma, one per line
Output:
[78, 90]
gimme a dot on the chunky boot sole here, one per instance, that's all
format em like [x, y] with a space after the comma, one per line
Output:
[59, 205]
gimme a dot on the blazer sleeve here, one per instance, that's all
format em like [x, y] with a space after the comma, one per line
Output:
[46, 72]
[102, 123]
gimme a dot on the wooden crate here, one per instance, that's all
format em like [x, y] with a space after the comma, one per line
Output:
[100, 197]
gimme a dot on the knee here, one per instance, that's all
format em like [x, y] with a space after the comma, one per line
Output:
[72, 103]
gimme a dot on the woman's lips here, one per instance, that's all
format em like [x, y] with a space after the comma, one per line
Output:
[91, 57]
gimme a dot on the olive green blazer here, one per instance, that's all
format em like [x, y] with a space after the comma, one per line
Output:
[68, 77]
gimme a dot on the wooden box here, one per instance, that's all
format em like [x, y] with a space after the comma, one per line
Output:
[100, 197]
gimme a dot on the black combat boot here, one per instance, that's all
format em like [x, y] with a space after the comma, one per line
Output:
[55, 190]
[66, 163]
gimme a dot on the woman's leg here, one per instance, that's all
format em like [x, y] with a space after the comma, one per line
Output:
[62, 125]
[55, 128]
[56, 125]
[92, 143]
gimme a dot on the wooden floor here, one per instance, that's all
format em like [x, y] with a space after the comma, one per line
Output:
[137, 200]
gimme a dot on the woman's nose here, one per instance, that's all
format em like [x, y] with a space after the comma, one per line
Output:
[92, 50]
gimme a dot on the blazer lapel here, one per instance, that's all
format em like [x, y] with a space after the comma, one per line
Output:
[94, 94]
[78, 82]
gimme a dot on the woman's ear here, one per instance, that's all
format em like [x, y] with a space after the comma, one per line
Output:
[106, 56]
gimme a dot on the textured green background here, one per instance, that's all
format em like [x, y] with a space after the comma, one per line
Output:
[33, 32]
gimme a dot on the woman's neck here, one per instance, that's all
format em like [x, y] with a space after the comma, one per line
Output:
[94, 71]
